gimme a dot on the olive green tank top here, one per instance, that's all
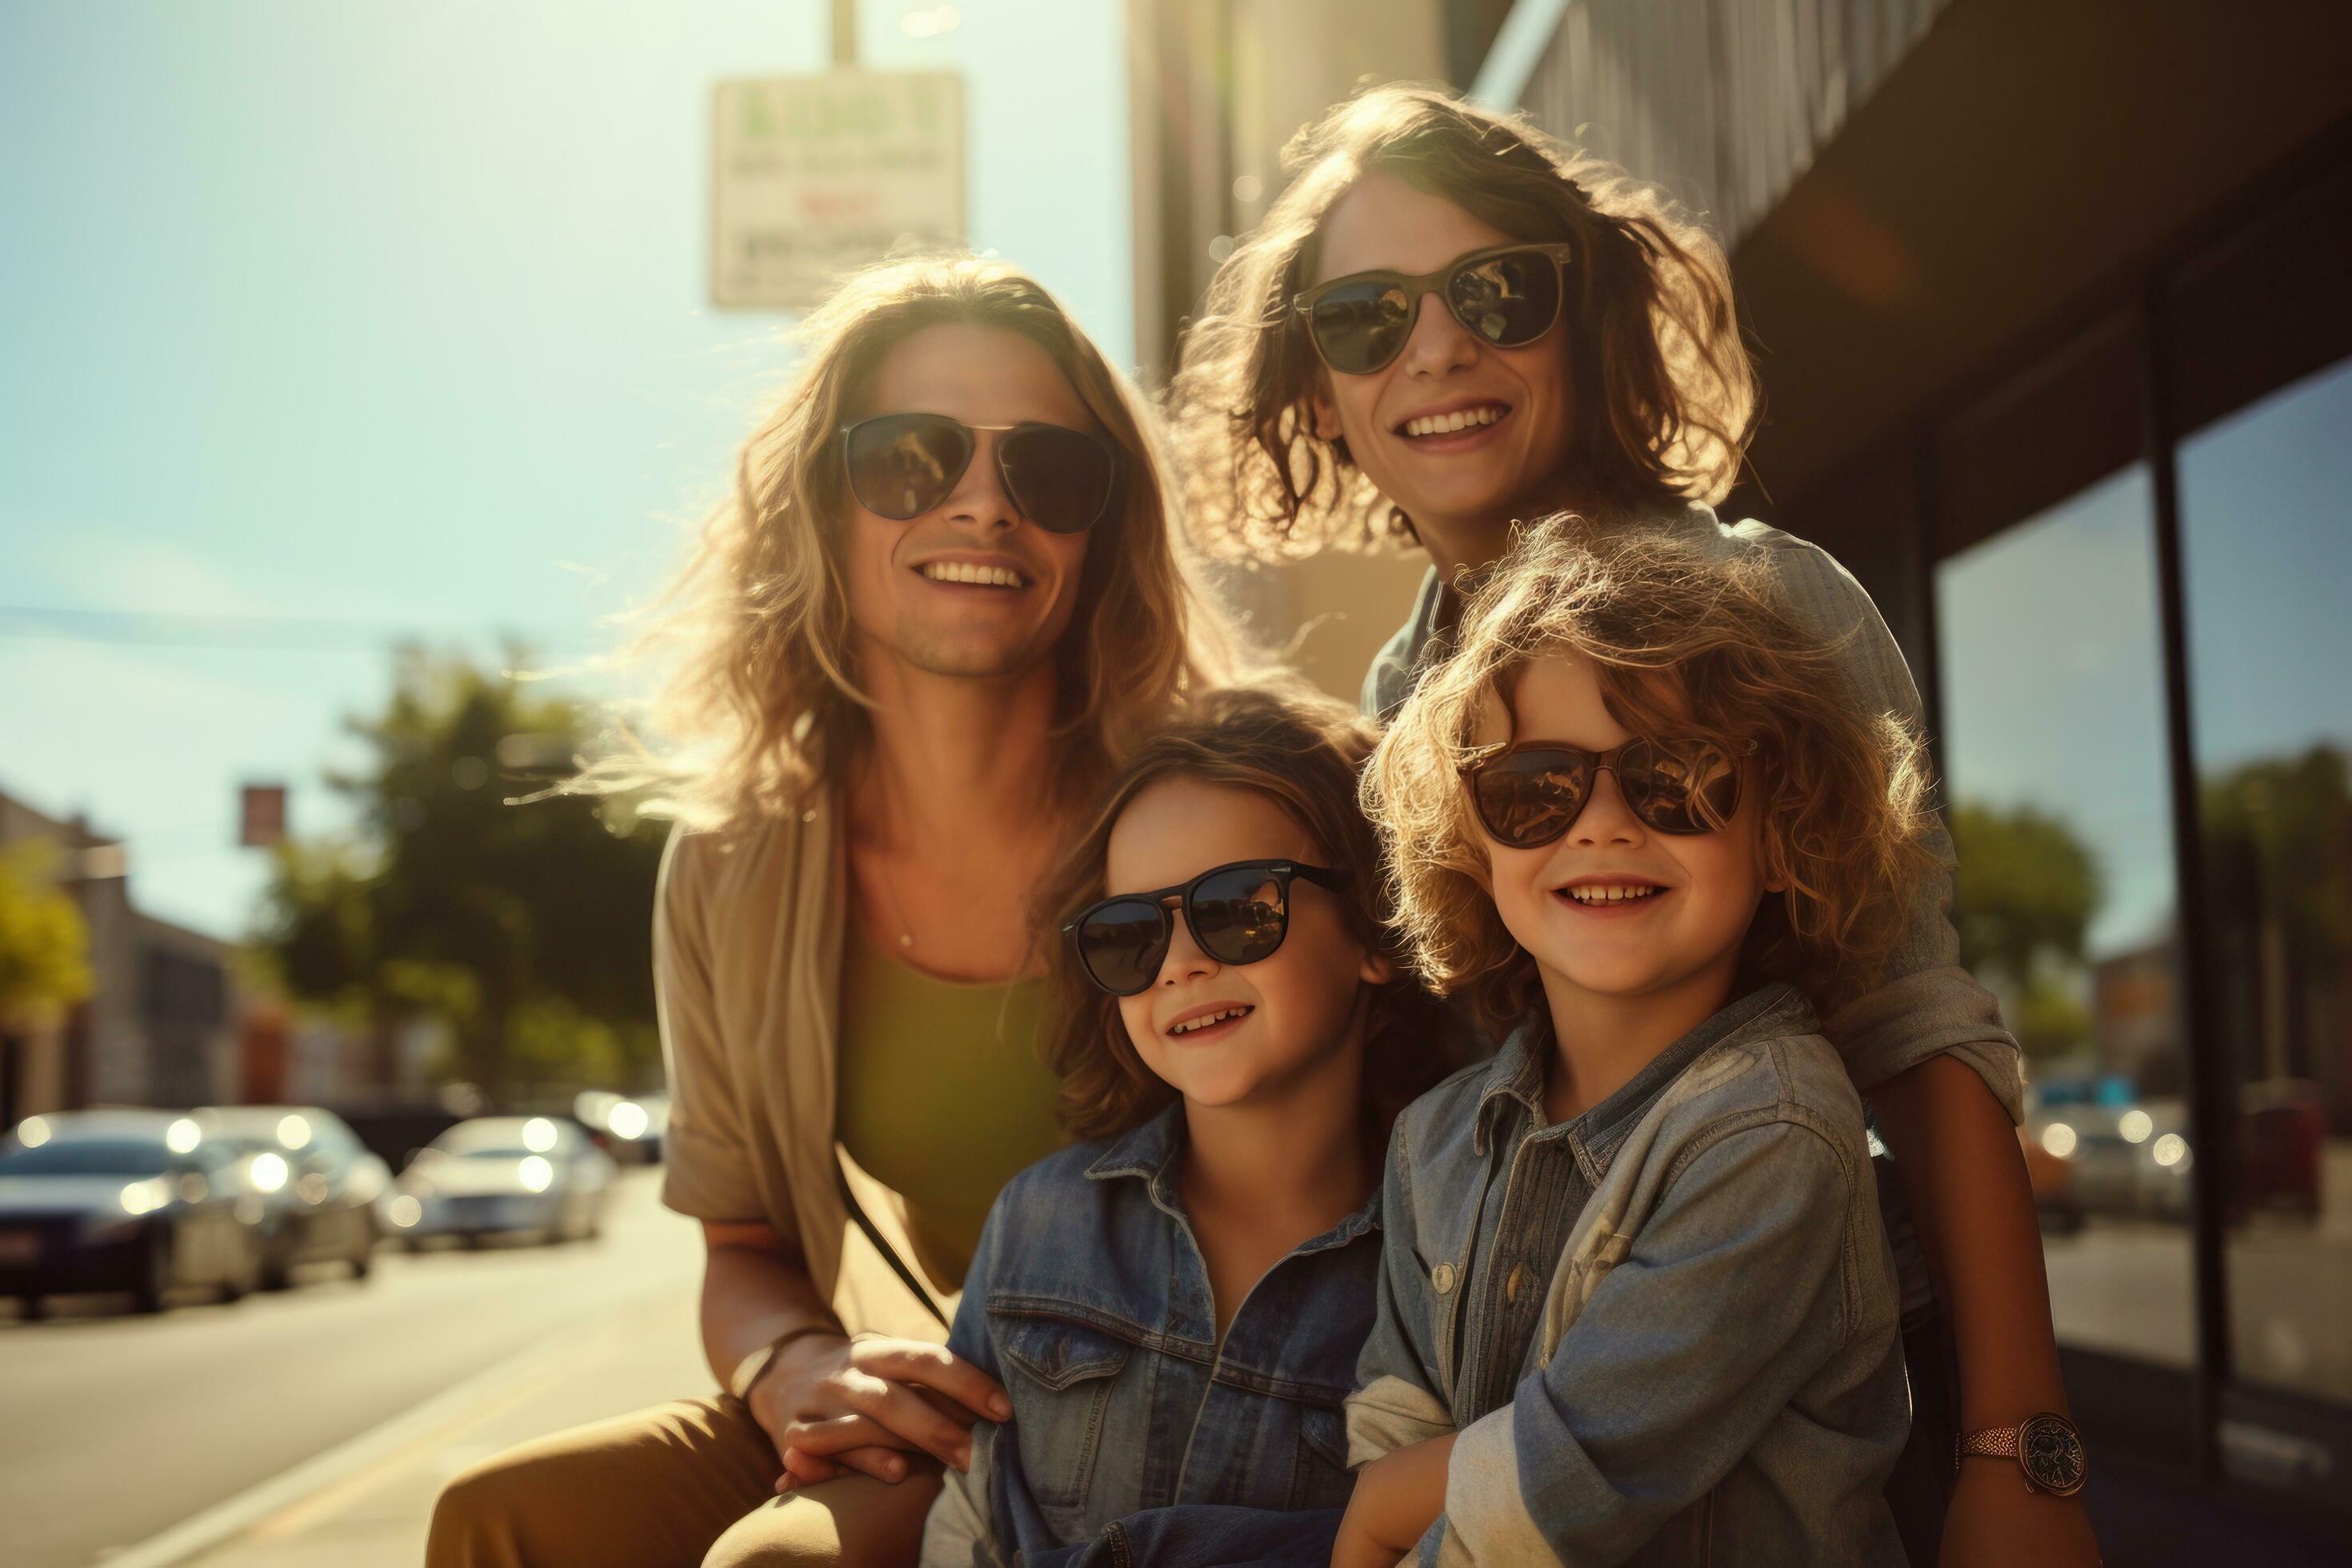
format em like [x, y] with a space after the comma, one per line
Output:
[942, 1095]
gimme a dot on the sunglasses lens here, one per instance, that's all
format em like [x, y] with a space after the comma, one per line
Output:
[1360, 327]
[1240, 916]
[1529, 798]
[1509, 300]
[1060, 480]
[1680, 789]
[1121, 943]
[903, 465]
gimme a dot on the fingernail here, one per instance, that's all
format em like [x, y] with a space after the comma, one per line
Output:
[893, 1468]
[999, 1406]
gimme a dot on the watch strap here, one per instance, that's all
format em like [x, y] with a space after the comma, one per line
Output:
[1990, 1443]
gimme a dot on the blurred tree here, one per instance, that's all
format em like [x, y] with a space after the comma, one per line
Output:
[522, 924]
[44, 947]
[2026, 892]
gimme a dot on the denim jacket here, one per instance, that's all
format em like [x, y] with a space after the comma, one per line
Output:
[1665, 1329]
[1135, 1436]
[1924, 1003]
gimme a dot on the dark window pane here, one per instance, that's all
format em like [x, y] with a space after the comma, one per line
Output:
[2054, 749]
[2268, 560]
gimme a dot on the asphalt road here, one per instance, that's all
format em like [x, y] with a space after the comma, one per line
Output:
[118, 1426]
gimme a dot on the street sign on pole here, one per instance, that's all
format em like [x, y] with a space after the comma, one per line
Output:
[262, 815]
[814, 176]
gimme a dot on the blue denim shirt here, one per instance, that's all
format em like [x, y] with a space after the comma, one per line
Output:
[1664, 1330]
[1135, 1435]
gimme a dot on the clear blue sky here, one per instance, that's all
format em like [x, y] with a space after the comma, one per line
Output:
[396, 315]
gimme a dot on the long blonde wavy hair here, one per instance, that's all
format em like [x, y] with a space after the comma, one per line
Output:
[1684, 644]
[1665, 395]
[766, 700]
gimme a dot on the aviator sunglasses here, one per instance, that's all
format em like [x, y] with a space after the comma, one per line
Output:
[1238, 913]
[900, 465]
[1531, 795]
[1509, 296]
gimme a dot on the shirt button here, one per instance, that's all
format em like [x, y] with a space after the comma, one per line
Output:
[1516, 1283]
[1443, 1278]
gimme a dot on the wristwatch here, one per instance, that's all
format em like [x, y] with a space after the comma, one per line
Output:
[2045, 1447]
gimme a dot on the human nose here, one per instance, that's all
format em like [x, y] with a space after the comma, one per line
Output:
[1439, 344]
[1185, 959]
[1608, 816]
[980, 499]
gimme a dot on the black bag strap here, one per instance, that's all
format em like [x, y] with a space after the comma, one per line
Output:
[889, 1253]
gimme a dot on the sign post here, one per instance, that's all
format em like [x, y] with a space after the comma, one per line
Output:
[814, 176]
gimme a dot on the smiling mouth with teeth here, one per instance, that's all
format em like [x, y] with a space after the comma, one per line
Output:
[977, 576]
[1449, 424]
[1190, 1025]
[1612, 893]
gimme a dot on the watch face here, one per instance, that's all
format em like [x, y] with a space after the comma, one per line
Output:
[2052, 1454]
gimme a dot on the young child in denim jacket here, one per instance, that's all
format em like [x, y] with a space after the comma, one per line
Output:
[1637, 1304]
[1175, 1307]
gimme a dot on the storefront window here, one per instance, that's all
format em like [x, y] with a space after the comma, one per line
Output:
[2054, 757]
[2267, 547]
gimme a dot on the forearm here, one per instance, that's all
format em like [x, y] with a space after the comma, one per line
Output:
[1964, 1177]
[752, 1295]
[1397, 1498]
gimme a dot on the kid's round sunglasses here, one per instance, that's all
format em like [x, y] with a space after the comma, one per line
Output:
[900, 465]
[1238, 913]
[1509, 296]
[1530, 794]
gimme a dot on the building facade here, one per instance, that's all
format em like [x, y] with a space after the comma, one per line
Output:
[2053, 310]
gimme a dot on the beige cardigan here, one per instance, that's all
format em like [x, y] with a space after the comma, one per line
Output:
[747, 975]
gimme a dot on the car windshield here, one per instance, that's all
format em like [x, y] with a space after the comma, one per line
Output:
[87, 1157]
[487, 1154]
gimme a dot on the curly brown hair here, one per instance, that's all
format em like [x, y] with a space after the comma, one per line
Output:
[1685, 643]
[1658, 348]
[1305, 753]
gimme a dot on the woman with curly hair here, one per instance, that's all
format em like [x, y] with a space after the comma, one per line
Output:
[1448, 321]
[941, 606]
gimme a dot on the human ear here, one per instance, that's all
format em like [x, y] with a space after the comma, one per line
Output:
[1378, 968]
[1322, 410]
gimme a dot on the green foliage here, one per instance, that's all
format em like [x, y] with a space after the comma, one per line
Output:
[44, 948]
[2026, 892]
[2278, 836]
[462, 899]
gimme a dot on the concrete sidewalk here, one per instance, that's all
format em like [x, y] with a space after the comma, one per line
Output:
[375, 1515]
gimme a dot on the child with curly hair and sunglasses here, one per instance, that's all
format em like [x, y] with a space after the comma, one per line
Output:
[1637, 1300]
[1175, 1306]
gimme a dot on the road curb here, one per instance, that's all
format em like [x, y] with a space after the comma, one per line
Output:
[451, 1410]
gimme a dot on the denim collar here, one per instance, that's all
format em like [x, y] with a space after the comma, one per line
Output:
[1516, 1078]
[1148, 1154]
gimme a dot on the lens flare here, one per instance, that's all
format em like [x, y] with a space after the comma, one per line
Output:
[270, 1172]
[537, 1173]
[294, 1131]
[183, 1136]
[627, 1119]
[538, 1134]
[34, 1132]
[2058, 1139]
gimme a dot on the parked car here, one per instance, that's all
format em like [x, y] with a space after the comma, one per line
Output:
[630, 1129]
[318, 1185]
[535, 1175]
[123, 1200]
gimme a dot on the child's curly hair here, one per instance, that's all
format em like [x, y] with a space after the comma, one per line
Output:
[1685, 644]
[1665, 395]
[1305, 753]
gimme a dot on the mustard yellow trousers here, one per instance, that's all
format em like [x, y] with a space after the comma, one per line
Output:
[689, 1484]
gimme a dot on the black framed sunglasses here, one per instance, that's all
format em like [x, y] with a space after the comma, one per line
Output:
[1530, 794]
[1509, 296]
[1238, 913]
[900, 465]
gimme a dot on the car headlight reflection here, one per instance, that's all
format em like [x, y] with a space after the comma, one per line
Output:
[537, 1174]
[2058, 1140]
[538, 1134]
[2170, 1151]
[268, 1171]
[628, 1120]
[144, 1197]
[404, 1211]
